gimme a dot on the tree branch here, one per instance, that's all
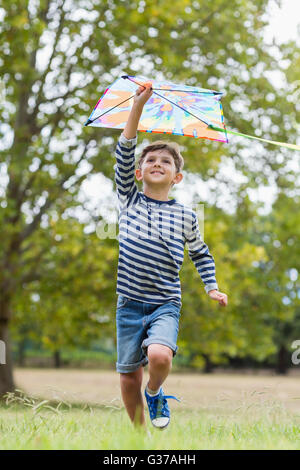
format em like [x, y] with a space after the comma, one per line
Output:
[212, 14]
[42, 78]
[30, 277]
[34, 259]
[65, 95]
[44, 12]
[29, 229]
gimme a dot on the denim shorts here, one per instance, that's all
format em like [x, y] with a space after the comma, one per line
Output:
[140, 324]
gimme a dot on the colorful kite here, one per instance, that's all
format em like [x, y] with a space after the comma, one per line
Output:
[172, 109]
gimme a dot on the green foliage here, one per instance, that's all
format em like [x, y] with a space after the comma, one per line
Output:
[71, 303]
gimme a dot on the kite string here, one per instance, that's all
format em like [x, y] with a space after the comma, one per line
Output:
[274, 142]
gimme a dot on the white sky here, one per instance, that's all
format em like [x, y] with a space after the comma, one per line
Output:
[285, 21]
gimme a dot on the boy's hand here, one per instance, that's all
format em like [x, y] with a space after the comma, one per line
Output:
[216, 295]
[143, 94]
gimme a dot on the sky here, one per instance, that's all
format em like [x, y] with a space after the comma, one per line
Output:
[284, 21]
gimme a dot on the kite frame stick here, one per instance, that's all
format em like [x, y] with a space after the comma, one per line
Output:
[89, 121]
[190, 91]
[209, 92]
[175, 104]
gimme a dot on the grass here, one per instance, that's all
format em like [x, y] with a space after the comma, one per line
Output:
[30, 423]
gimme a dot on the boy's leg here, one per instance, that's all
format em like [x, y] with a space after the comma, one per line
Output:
[131, 383]
[130, 357]
[160, 364]
[160, 347]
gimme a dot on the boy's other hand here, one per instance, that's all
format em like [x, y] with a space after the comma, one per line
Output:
[143, 93]
[219, 296]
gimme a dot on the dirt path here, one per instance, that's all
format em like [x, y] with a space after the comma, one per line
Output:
[197, 391]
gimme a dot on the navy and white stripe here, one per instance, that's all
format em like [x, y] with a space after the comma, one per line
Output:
[152, 237]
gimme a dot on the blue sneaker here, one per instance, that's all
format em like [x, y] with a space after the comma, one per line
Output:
[159, 409]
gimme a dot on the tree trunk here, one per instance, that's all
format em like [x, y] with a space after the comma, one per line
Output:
[282, 361]
[208, 368]
[6, 370]
[57, 359]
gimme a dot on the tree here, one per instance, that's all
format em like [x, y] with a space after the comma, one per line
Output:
[280, 235]
[70, 305]
[211, 334]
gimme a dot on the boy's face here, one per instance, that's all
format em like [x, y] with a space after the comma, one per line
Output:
[158, 169]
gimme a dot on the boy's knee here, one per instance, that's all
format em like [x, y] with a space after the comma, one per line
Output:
[131, 379]
[160, 355]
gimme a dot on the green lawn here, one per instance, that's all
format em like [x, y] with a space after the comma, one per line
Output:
[29, 423]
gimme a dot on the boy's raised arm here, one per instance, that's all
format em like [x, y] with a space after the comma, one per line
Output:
[141, 97]
[124, 168]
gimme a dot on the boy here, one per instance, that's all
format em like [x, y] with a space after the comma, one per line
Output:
[151, 250]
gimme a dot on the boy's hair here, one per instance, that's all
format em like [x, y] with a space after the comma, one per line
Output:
[171, 147]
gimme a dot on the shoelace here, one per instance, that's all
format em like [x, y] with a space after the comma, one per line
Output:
[162, 409]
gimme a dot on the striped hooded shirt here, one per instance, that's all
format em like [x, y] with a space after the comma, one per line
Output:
[152, 237]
